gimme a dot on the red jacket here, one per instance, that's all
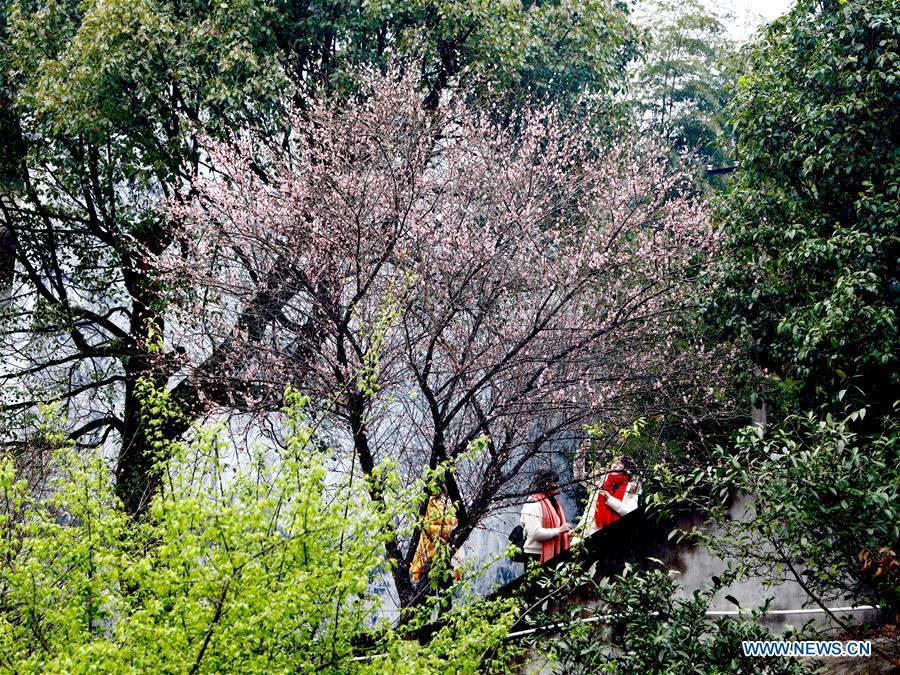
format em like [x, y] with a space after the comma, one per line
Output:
[615, 484]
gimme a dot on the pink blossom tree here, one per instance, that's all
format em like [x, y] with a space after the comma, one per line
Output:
[430, 279]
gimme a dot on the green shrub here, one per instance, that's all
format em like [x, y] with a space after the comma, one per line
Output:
[259, 568]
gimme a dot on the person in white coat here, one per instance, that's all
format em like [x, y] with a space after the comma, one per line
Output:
[544, 521]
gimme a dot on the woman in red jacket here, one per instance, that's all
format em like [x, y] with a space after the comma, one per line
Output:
[616, 495]
[614, 498]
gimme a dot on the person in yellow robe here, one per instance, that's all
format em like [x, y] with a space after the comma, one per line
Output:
[440, 521]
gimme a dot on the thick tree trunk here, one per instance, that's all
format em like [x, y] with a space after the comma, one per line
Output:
[135, 478]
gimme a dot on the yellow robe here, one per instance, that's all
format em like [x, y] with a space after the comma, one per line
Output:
[440, 519]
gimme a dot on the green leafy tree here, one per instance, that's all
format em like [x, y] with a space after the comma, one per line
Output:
[518, 53]
[809, 294]
[823, 507]
[108, 99]
[810, 288]
[681, 84]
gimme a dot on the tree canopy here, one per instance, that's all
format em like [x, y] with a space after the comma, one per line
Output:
[811, 289]
[681, 84]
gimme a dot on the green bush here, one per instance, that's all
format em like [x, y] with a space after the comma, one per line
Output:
[646, 627]
[823, 506]
[260, 568]
[811, 287]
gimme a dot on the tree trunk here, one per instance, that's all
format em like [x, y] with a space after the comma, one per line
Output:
[7, 262]
[406, 591]
[135, 479]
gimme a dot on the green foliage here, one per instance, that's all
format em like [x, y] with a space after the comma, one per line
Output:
[823, 499]
[809, 293]
[644, 626]
[262, 567]
[135, 77]
[538, 50]
[681, 85]
[811, 289]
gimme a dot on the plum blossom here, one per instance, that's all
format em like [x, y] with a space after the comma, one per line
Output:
[534, 280]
